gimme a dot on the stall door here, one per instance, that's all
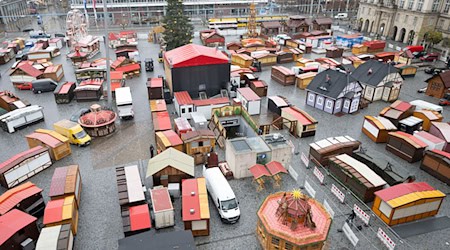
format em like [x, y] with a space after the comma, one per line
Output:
[386, 94]
[394, 94]
[346, 106]
[354, 106]
[378, 93]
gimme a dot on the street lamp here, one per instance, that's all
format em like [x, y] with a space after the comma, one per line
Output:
[108, 66]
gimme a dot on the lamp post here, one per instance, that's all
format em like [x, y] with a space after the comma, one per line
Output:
[108, 66]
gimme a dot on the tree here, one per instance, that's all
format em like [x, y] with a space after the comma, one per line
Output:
[431, 37]
[178, 29]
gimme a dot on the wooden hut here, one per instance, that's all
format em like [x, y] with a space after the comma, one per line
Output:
[135, 219]
[397, 111]
[26, 197]
[18, 230]
[170, 166]
[377, 128]
[303, 80]
[438, 85]
[168, 139]
[24, 73]
[407, 202]
[16, 169]
[212, 38]
[155, 88]
[406, 70]
[441, 130]
[129, 186]
[78, 57]
[283, 75]
[284, 56]
[234, 46]
[410, 124]
[302, 62]
[64, 92]
[195, 208]
[158, 105]
[266, 58]
[437, 164]
[89, 90]
[385, 56]
[405, 146]
[62, 211]
[181, 125]
[58, 145]
[117, 80]
[321, 151]
[66, 181]
[356, 176]
[306, 124]
[375, 46]
[54, 72]
[242, 60]
[259, 87]
[198, 144]
[276, 103]
[432, 141]
[358, 49]
[334, 52]
[355, 61]
[55, 238]
[251, 102]
[161, 121]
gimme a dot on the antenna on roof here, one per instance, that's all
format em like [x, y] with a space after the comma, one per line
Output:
[369, 71]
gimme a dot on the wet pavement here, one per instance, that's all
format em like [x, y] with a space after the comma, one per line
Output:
[100, 223]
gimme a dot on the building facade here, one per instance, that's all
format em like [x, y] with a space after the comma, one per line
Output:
[13, 10]
[402, 20]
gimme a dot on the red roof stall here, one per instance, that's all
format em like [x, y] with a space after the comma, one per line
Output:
[259, 87]
[26, 197]
[15, 228]
[195, 208]
[155, 88]
[441, 130]
[64, 92]
[66, 181]
[161, 121]
[306, 124]
[168, 139]
[158, 105]
[117, 80]
[162, 208]
[136, 219]
[57, 144]
[182, 125]
[250, 100]
[24, 73]
[196, 68]
[22, 166]
[375, 46]
[212, 38]
[62, 211]
[54, 72]
[432, 141]
[183, 104]
[89, 90]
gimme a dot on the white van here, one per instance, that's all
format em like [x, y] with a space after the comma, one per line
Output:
[222, 195]
[426, 105]
[341, 16]
[21, 117]
[124, 103]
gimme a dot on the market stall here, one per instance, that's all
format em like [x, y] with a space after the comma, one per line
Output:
[163, 210]
[26, 197]
[321, 151]
[195, 208]
[303, 80]
[155, 88]
[55, 238]
[283, 75]
[57, 144]
[129, 186]
[62, 211]
[306, 124]
[161, 121]
[64, 93]
[259, 87]
[405, 146]
[168, 139]
[66, 181]
[377, 128]
[437, 164]
[158, 105]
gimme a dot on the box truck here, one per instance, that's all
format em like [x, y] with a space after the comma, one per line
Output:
[222, 195]
[124, 103]
[21, 117]
[73, 131]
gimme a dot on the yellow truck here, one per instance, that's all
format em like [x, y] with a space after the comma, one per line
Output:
[73, 131]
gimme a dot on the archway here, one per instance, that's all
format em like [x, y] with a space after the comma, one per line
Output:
[366, 26]
[411, 36]
[360, 24]
[402, 35]
[371, 26]
[394, 32]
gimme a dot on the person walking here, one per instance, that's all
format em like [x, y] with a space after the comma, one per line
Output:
[152, 151]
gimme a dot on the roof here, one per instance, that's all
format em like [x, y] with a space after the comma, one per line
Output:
[169, 138]
[139, 217]
[16, 195]
[54, 236]
[18, 158]
[211, 101]
[425, 136]
[323, 21]
[65, 87]
[156, 82]
[173, 158]
[428, 114]
[29, 70]
[283, 70]
[158, 105]
[444, 129]
[445, 78]
[77, 54]
[116, 75]
[271, 24]
[48, 137]
[161, 121]
[278, 101]
[405, 193]
[161, 199]
[440, 152]
[129, 67]
[301, 116]
[330, 83]
[59, 210]
[150, 240]
[191, 55]
[194, 200]
[359, 169]
[12, 222]
[381, 122]
[182, 124]
[243, 56]
[64, 180]
[276, 167]
[96, 119]
[411, 121]
[307, 74]
[401, 105]
[183, 98]
[379, 70]
[248, 94]
[411, 139]
[197, 134]
[52, 68]
[259, 171]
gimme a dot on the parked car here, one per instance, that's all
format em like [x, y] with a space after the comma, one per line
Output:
[422, 90]
[25, 86]
[75, 116]
[430, 57]
[43, 85]
[445, 100]
[434, 70]
[341, 16]
[419, 54]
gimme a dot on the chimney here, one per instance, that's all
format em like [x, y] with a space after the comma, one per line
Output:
[369, 71]
[327, 79]
[192, 193]
[192, 211]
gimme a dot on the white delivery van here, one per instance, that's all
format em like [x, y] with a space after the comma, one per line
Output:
[124, 103]
[341, 16]
[21, 117]
[222, 195]
[426, 105]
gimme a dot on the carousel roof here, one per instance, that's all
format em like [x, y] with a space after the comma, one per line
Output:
[77, 54]
[98, 118]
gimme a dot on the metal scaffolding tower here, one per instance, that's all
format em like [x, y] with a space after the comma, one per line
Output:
[251, 25]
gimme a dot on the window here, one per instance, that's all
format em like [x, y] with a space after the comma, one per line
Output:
[288, 246]
[446, 6]
[435, 6]
[401, 4]
[189, 110]
[200, 144]
[310, 97]
[415, 20]
[346, 104]
[441, 24]
[329, 104]
[183, 110]
[320, 100]
[410, 4]
[275, 242]
[419, 5]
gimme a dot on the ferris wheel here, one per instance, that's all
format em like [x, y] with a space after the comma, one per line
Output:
[76, 26]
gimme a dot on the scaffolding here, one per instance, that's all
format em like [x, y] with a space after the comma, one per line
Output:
[251, 25]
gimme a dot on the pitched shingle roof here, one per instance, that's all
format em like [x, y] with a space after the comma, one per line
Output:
[334, 86]
[379, 71]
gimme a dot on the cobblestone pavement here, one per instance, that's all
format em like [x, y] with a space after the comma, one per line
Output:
[99, 222]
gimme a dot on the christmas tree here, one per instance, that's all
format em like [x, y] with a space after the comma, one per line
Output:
[178, 29]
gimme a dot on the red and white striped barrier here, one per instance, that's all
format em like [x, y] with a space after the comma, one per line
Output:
[385, 239]
[305, 160]
[319, 175]
[361, 214]
[337, 193]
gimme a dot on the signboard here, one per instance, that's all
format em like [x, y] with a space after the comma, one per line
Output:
[305, 159]
[385, 239]
[337, 193]
[319, 175]
[310, 190]
[350, 234]
[328, 208]
[293, 173]
[361, 214]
